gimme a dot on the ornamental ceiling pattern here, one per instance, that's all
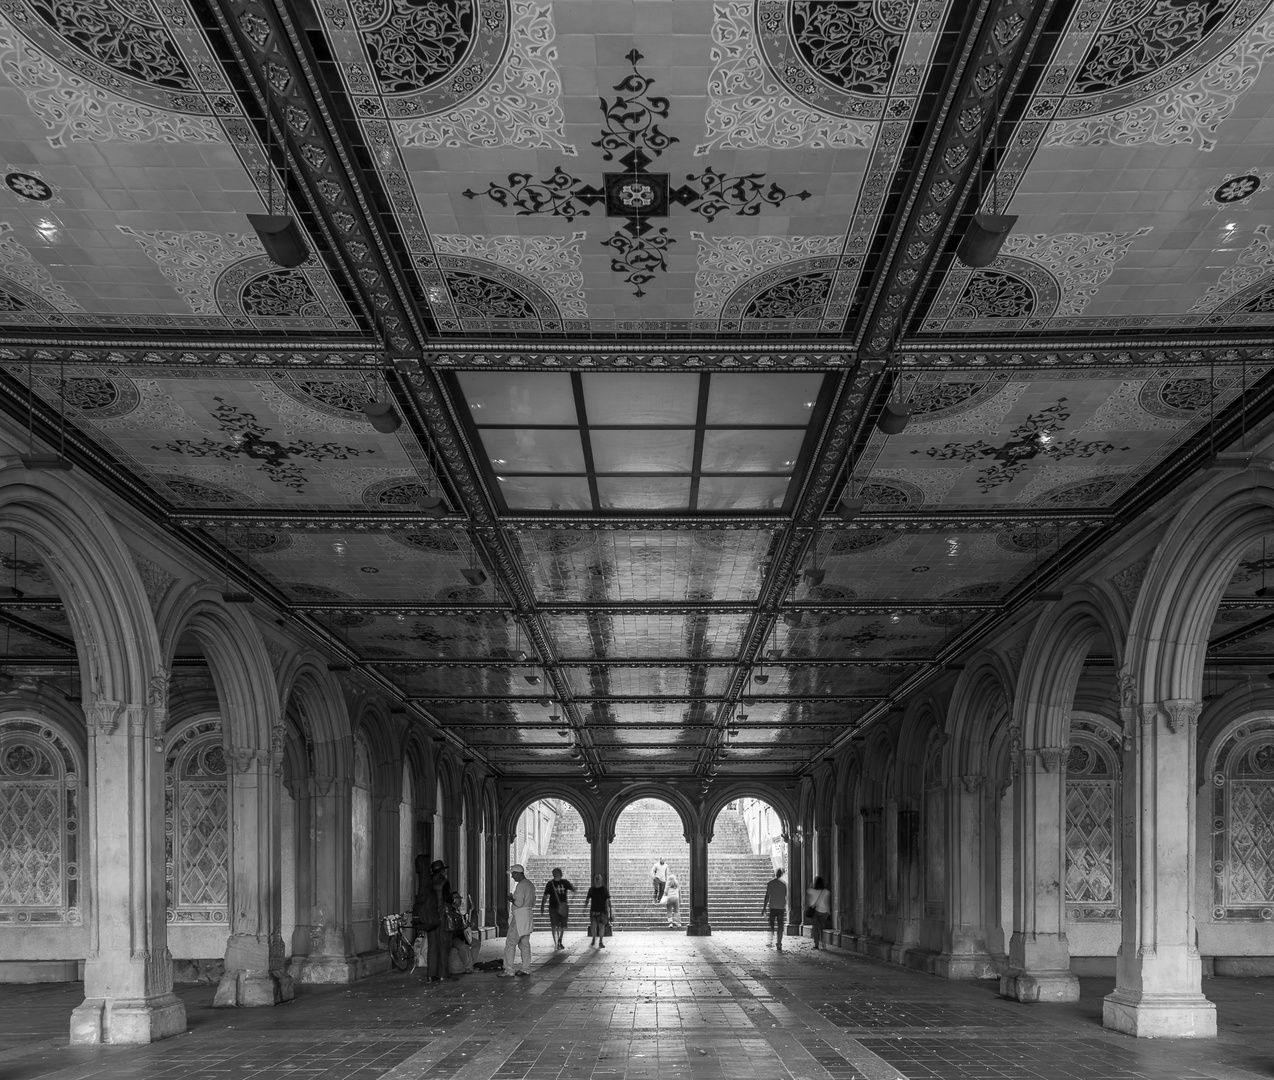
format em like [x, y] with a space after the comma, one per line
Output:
[637, 279]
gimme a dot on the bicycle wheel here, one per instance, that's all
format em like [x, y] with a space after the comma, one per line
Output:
[401, 954]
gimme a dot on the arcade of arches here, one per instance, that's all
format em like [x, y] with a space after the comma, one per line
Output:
[669, 450]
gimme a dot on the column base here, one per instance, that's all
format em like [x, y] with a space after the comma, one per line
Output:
[699, 930]
[123, 1022]
[1037, 986]
[338, 969]
[250, 989]
[965, 966]
[1159, 1017]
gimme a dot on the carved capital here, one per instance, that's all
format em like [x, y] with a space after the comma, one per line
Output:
[243, 759]
[103, 715]
[1127, 689]
[1148, 714]
[973, 783]
[1181, 712]
[1052, 758]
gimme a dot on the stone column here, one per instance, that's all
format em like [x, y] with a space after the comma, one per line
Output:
[450, 853]
[255, 973]
[500, 881]
[1158, 974]
[1039, 955]
[795, 876]
[698, 925]
[128, 973]
[843, 885]
[331, 958]
[302, 940]
[967, 953]
[909, 903]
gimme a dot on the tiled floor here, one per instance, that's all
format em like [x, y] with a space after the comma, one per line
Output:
[650, 1007]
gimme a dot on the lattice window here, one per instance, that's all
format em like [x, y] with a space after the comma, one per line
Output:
[196, 826]
[1243, 824]
[40, 847]
[1092, 823]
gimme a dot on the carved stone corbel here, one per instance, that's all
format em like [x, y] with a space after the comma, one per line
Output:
[243, 758]
[103, 715]
[1148, 714]
[1052, 758]
[973, 783]
[1181, 712]
[1127, 688]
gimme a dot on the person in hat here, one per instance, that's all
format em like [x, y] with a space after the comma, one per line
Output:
[435, 921]
[521, 918]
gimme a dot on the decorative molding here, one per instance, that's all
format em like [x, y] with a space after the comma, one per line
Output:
[521, 105]
[75, 109]
[1128, 583]
[551, 262]
[1079, 261]
[748, 107]
[192, 261]
[103, 715]
[1188, 112]
[155, 579]
[727, 262]
[18, 266]
[1179, 713]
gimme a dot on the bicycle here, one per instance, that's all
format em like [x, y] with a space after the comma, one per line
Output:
[401, 952]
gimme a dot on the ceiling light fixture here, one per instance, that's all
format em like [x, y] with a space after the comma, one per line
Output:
[279, 233]
[986, 233]
[814, 574]
[893, 417]
[473, 573]
[383, 416]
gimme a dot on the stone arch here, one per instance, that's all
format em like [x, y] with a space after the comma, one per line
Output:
[920, 722]
[241, 671]
[116, 642]
[515, 804]
[979, 700]
[314, 695]
[1222, 716]
[723, 793]
[686, 811]
[1185, 580]
[1059, 644]
[375, 725]
[418, 754]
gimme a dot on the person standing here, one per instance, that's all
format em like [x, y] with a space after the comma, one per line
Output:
[775, 903]
[599, 912]
[672, 898]
[437, 900]
[556, 893]
[659, 878]
[818, 906]
[460, 936]
[521, 919]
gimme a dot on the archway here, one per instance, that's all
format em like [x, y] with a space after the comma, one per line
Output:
[647, 829]
[749, 842]
[550, 833]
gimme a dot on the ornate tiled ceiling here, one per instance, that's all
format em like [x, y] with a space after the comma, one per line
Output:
[638, 278]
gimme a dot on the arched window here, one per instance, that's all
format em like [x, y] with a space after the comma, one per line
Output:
[361, 831]
[1243, 823]
[196, 834]
[1092, 817]
[40, 847]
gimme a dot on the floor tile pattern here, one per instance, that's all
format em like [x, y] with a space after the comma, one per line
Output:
[650, 1007]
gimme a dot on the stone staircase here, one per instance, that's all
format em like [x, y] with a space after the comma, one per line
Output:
[646, 830]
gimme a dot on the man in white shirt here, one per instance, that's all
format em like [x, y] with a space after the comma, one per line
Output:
[521, 918]
[659, 878]
[775, 905]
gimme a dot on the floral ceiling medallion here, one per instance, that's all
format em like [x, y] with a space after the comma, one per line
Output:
[631, 128]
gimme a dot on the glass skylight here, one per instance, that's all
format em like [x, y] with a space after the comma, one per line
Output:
[610, 442]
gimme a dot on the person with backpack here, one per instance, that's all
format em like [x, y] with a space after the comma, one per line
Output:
[599, 912]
